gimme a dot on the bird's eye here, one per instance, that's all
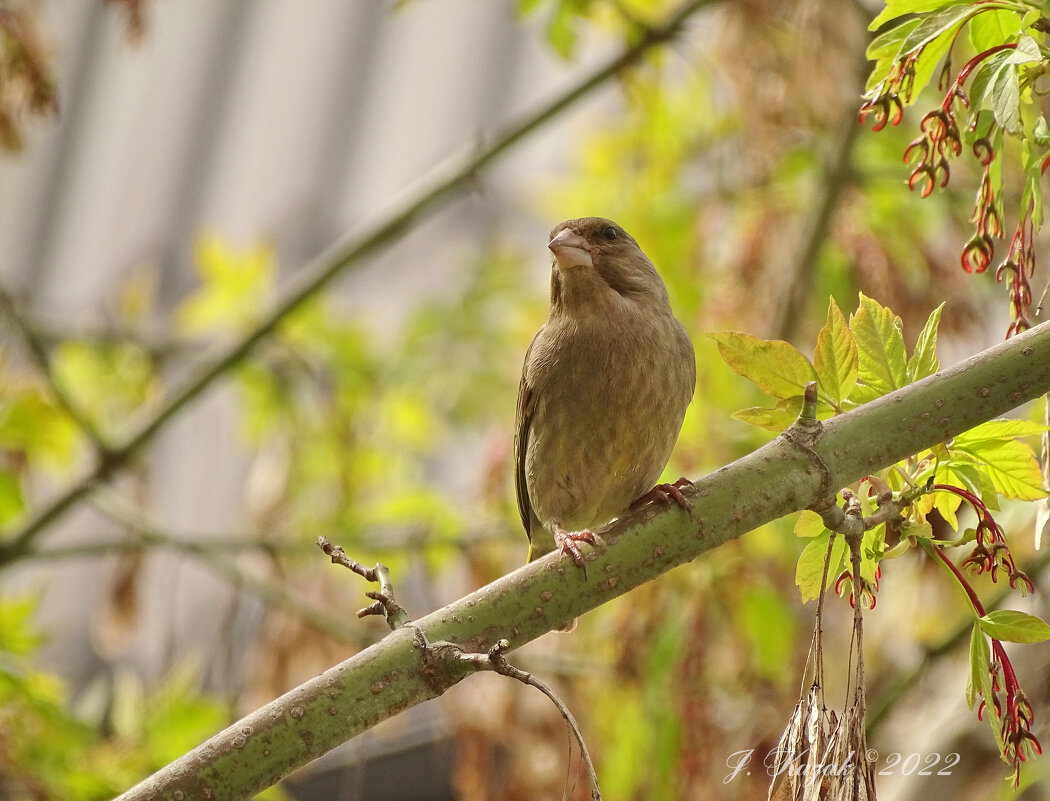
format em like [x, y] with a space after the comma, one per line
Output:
[609, 233]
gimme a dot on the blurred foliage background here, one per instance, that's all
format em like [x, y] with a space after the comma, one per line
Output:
[735, 158]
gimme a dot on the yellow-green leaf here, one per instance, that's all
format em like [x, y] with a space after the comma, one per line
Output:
[1013, 626]
[979, 658]
[809, 524]
[1011, 466]
[898, 8]
[994, 27]
[923, 361]
[835, 357]
[809, 572]
[235, 286]
[11, 501]
[882, 364]
[776, 366]
[775, 419]
[997, 430]
[33, 425]
[948, 504]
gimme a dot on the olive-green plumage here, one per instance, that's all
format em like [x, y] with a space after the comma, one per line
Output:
[605, 385]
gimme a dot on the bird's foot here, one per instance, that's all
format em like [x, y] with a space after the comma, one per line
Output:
[665, 493]
[566, 541]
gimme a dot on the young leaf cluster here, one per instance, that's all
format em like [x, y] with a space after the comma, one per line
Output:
[864, 358]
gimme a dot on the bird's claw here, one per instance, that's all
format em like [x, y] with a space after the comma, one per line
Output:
[566, 541]
[665, 493]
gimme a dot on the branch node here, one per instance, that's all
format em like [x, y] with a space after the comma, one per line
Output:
[806, 432]
[384, 602]
[809, 403]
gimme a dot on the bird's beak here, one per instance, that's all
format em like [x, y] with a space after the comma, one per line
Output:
[570, 249]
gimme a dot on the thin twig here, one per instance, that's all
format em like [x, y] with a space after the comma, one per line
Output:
[437, 188]
[384, 602]
[173, 541]
[495, 660]
[274, 595]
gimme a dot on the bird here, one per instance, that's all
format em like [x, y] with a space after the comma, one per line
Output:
[603, 393]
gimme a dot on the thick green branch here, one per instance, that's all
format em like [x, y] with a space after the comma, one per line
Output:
[437, 188]
[779, 478]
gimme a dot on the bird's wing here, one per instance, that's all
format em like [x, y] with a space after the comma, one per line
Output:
[522, 423]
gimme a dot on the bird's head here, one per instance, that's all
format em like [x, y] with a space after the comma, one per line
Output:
[597, 262]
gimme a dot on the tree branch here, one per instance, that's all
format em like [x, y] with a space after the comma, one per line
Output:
[777, 479]
[275, 595]
[436, 189]
[38, 351]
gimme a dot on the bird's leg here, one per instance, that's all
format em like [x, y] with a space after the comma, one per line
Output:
[566, 541]
[666, 492]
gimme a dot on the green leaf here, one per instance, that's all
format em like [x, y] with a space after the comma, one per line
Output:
[235, 286]
[1005, 97]
[981, 119]
[809, 572]
[1026, 52]
[17, 632]
[1011, 466]
[1001, 430]
[936, 25]
[928, 62]
[898, 8]
[809, 524]
[1004, 88]
[979, 659]
[1033, 151]
[922, 531]
[776, 366]
[11, 501]
[561, 31]
[987, 490]
[923, 361]
[994, 27]
[1009, 625]
[883, 51]
[174, 717]
[888, 43]
[882, 361]
[835, 357]
[926, 41]
[1041, 133]
[981, 681]
[775, 419]
[33, 425]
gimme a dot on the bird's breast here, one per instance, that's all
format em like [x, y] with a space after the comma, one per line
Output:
[610, 399]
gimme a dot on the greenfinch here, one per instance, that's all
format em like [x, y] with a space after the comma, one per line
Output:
[603, 391]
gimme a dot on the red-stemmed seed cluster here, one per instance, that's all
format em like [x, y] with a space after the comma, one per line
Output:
[1018, 265]
[1012, 706]
[930, 153]
[991, 552]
